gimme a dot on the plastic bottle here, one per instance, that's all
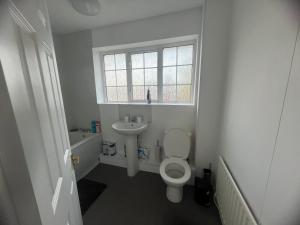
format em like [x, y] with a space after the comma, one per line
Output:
[93, 126]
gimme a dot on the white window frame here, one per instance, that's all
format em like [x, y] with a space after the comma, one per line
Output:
[143, 47]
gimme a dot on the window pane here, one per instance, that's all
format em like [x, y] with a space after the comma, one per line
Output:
[110, 77]
[153, 92]
[111, 94]
[122, 94]
[169, 93]
[169, 75]
[137, 61]
[109, 62]
[184, 93]
[184, 74]
[169, 56]
[185, 55]
[120, 61]
[151, 76]
[150, 59]
[138, 93]
[121, 77]
[138, 77]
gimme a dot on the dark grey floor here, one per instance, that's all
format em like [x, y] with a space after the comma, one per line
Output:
[141, 200]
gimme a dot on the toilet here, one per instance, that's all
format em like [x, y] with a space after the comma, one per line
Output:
[175, 170]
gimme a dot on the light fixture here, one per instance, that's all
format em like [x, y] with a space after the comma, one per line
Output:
[86, 7]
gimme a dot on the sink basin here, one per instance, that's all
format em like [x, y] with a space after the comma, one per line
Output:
[129, 128]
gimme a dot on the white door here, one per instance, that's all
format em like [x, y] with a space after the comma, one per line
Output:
[34, 89]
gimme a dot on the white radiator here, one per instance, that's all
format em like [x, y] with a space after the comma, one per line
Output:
[232, 207]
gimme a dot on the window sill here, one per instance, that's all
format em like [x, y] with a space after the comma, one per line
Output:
[144, 104]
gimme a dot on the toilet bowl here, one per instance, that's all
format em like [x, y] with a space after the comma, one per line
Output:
[175, 170]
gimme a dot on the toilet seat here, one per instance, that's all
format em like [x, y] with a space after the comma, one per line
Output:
[176, 161]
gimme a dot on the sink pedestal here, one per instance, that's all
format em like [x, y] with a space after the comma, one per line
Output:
[132, 155]
[130, 130]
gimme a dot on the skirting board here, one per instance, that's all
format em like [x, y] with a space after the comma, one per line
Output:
[116, 161]
[152, 167]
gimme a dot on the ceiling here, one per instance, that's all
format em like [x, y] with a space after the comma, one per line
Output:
[65, 19]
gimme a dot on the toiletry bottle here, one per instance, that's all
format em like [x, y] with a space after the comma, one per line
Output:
[93, 126]
[148, 96]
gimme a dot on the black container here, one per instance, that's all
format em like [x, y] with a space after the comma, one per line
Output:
[207, 174]
[203, 189]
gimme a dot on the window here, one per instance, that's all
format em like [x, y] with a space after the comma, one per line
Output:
[177, 74]
[144, 75]
[116, 78]
[167, 71]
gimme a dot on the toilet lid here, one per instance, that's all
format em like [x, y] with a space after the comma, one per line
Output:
[177, 143]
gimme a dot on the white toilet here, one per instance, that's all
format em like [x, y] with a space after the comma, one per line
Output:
[175, 170]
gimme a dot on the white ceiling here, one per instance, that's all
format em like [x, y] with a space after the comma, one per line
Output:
[65, 19]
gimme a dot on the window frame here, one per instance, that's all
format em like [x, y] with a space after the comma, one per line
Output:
[140, 48]
[103, 77]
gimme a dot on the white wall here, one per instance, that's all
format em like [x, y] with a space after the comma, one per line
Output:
[60, 55]
[262, 45]
[75, 64]
[282, 202]
[166, 26]
[214, 68]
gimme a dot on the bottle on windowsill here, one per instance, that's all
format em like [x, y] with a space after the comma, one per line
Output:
[148, 96]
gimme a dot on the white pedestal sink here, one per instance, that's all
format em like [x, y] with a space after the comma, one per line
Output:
[130, 130]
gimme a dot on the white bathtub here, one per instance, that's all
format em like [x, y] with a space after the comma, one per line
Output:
[87, 147]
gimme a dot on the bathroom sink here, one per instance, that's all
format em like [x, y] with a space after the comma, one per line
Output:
[129, 128]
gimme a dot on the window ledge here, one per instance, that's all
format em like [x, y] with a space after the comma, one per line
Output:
[144, 104]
